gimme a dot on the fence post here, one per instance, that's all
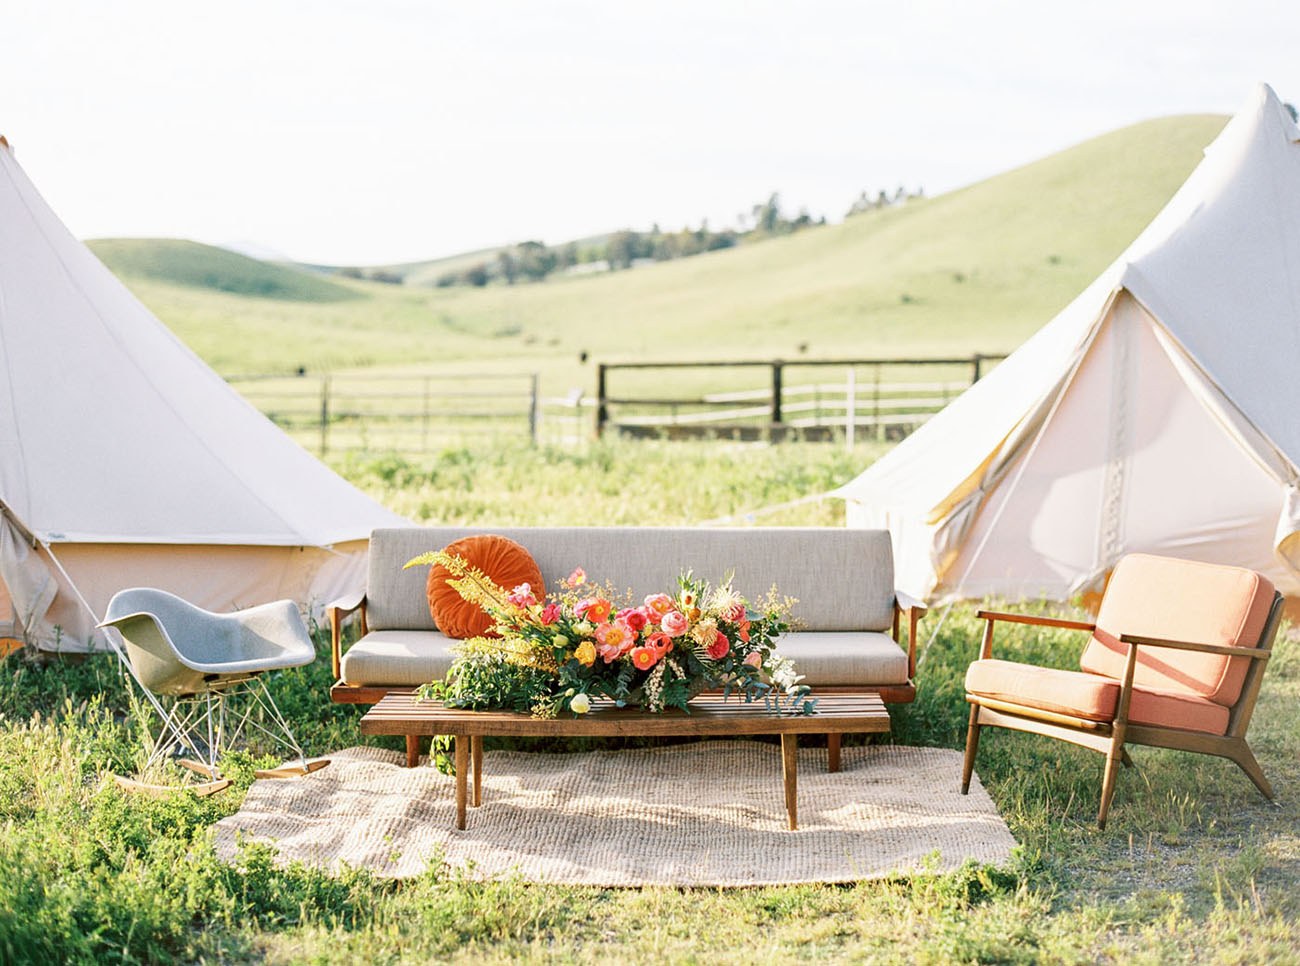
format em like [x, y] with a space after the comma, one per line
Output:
[534, 413]
[602, 411]
[324, 414]
[777, 366]
[850, 407]
[977, 361]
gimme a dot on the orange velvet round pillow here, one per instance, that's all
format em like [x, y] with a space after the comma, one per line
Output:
[500, 558]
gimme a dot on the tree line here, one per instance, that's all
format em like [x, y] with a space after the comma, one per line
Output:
[534, 261]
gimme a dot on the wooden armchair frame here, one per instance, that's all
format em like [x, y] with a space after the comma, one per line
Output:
[1110, 737]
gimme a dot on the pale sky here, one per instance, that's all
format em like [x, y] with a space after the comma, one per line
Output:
[371, 131]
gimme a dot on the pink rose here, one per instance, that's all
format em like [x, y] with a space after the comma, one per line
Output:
[550, 614]
[674, 623]
[719, 648]
[754, 659]
[633, 617]
[734, 613]
[657, 605]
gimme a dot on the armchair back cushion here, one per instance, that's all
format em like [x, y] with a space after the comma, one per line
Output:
[1180, 600]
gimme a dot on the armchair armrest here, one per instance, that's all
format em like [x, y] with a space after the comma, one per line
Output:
[339, 611]
[992, 616]
[1258, 653]
[915, 610]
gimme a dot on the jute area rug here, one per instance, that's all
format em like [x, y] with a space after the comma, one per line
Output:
[703, 814]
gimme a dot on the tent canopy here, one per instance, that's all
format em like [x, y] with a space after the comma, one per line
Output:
[1155, 413]
[114, 435]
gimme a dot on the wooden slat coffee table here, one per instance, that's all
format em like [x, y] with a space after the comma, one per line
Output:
[400, 713]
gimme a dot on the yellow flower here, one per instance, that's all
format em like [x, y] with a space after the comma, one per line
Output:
[586, 654]
[580, 703]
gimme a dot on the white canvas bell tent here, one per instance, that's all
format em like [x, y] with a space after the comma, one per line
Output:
[124, 460]
[1158, 412]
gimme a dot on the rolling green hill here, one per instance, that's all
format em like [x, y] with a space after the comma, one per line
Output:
[974, 270]
[193, 265]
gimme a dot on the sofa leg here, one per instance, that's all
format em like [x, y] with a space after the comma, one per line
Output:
[1245, 760]
[412, 750]
[833, 752]
[972, 746]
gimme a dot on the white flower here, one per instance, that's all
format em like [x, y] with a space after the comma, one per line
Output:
[580, 704]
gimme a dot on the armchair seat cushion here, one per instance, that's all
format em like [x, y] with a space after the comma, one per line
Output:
[1092, 696]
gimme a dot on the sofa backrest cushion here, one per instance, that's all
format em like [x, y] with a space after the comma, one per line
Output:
[1180, 600]
[843, 578]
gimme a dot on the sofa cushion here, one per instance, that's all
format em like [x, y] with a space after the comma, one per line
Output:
[1092, 696]
[843, 578]
[1180, 600]
[500, 558]
[851, 658]
[410, 658]
[398, 659]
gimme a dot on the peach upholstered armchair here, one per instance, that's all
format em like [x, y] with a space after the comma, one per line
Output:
[1175, 660]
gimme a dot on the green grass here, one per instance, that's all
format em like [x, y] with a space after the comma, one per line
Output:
[195, 266]
[1193, 867]
[974, 270]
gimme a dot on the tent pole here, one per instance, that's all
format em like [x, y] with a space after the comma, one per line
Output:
[181, 739]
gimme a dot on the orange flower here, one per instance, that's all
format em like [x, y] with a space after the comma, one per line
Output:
[644, 658]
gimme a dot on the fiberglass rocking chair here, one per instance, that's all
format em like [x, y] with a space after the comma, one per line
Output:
[202, 672]
[1175, 660]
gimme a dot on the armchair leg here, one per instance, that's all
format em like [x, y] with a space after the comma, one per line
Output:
[972, 746]
[1113, 759]
[1128, 762]
[1245, 760]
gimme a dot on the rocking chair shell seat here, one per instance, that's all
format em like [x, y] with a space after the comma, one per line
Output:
[177, 648]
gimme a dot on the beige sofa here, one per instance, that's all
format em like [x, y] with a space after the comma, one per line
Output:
[847, 619]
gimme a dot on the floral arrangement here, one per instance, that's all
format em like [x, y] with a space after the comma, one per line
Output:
[561, 652]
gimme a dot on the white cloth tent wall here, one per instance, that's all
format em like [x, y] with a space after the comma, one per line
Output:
[125, 460]
[1157, 412]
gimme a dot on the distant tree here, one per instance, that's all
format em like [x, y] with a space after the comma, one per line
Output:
[447, 279]
[567, 256]
[507, 267]
[536, 261]
[767, 215]
[620, 249]
[351, 272]
[476, 275]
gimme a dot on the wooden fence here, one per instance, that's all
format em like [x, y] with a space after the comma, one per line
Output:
[419, 412]
[887, 398]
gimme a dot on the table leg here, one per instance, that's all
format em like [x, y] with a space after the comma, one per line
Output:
[476, 753]
[790, 773]
[833, 752]
[462, 786]
[412, 750]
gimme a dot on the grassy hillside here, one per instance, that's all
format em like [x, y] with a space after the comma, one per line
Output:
[975, 270]
[192, 265]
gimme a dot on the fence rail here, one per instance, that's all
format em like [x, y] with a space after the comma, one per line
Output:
[415, 412]
[885, 396]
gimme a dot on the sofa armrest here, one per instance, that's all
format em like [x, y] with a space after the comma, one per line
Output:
[338, 611]
[915, 610]
[992, 616]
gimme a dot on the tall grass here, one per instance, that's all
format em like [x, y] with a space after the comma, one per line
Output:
[1194, 865]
